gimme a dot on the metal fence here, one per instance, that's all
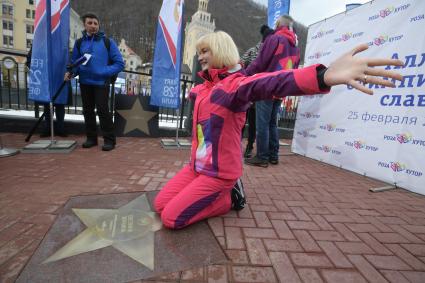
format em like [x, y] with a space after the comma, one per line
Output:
[14, 95]
[14, 91]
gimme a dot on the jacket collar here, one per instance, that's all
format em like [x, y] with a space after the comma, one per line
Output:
[216, 75]
[97, 36]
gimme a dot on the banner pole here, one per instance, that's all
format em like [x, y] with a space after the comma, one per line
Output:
[177, 127]
[52, 133]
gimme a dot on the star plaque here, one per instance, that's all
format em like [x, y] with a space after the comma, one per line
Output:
[83, 246]
[135, 117]
[129, 229]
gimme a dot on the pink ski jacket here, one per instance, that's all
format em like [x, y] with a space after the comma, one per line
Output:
[219, 113]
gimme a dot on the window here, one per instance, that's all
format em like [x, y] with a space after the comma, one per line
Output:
[33, 14]
[28, 14]
[7, 40]
[7, 10]
[30, 29]
[31, 2]
[29, 43]
[7, 25]
[131, 63]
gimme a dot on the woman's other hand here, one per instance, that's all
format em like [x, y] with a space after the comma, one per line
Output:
[358, 72]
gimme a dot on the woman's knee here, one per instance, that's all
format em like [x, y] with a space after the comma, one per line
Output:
[158, 204]
[168, 219]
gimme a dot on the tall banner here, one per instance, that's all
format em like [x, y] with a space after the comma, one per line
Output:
[49, 50]
[380, 136]
[276, 8]
[167, 56]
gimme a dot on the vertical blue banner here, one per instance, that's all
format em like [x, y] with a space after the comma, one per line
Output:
[167, 56]
[60, 46]
[49, 50]
[277, 8]
[39, 74]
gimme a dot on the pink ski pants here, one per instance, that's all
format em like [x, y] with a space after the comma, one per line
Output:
[190, 197]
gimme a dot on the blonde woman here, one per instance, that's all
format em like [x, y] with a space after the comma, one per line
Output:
[202, 189]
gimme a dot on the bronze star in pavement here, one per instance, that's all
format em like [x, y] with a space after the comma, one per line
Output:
[136, 118]
[129, 229]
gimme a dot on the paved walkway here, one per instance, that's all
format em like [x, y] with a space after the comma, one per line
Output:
[305, 222]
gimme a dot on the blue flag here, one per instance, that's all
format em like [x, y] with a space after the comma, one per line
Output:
[277, 8]
[167, 57]
[49, 51]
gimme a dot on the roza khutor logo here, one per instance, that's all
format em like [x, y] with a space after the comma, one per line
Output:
[306, 134]
[319, 55]
[400, 168]
[328, 149]
[361, 145]
[380, 40]
[383, 39]
[348, 35]
[322, 33]
[381, 14]
[404, 138]
[331, 128]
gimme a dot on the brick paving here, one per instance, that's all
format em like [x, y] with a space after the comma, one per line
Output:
[305, 221]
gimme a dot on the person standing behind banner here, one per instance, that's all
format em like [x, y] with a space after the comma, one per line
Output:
[103, 62]
[278, 52]
[249, 56]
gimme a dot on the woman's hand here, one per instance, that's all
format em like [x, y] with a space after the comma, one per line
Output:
[357, 72]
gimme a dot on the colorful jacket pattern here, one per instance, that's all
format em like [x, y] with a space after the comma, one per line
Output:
[278, 52]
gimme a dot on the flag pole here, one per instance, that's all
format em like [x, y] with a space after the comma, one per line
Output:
[180, 76]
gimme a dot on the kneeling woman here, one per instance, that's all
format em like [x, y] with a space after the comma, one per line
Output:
[202, 188]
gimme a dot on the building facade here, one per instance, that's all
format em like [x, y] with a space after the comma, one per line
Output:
[201, 23]
[17, 27]
[133, 63]
[17, 33]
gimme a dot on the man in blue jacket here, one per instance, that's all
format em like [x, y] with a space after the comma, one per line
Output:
[103, 61]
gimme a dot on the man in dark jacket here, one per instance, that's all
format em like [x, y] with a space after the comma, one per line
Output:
[102, 63]
[278, 52]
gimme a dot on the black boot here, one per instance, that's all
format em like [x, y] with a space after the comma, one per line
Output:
[108, 145]
[90, 142]
[248, 152]
[238, 196]
[256, 161]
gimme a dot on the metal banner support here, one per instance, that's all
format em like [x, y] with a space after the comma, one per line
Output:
[383, 189]
[175, 144]
[5, 152]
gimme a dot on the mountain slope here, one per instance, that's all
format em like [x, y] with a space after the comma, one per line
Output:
[135, 20]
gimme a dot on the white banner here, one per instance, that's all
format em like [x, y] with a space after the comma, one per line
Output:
[381, 136]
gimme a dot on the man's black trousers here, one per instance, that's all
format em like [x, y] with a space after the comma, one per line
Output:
[97, 96]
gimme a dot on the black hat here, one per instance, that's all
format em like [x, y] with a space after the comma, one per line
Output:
[265, 31]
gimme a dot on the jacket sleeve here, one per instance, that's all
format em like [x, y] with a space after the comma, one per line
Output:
[280, 84]
[265, 55]
[75, 55]
[116, 59]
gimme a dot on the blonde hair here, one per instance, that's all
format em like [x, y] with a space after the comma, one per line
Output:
[286, 21]
[223, 49]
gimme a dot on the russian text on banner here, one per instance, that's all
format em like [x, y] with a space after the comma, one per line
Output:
[167, 57]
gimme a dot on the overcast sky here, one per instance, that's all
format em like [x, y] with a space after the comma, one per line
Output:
[309, 12]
